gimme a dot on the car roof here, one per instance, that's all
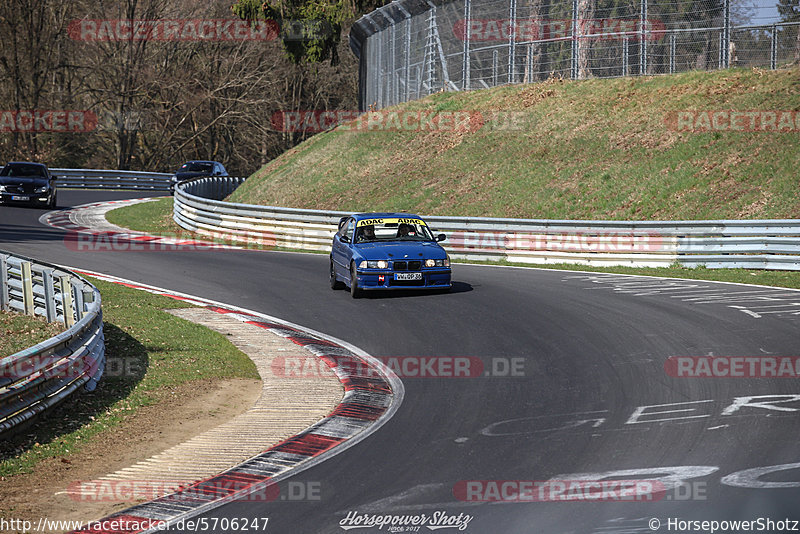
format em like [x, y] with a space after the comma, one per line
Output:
[26, 163]
[385, 215]
[200, 161]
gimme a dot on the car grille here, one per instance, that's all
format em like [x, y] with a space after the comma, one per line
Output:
[26, 189]
[413, 265]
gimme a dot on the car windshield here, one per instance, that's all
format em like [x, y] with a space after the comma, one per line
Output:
[392, 229]
[196, 166]
[29, 171]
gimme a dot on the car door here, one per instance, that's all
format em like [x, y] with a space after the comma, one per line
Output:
[341, 250]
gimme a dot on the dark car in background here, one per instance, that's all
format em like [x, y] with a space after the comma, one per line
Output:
[27, 183]
[196, 169]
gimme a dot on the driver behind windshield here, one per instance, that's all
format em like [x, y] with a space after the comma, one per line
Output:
[365, 233]
[405, 230]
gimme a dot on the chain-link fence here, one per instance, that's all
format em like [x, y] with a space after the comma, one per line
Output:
[412, 48]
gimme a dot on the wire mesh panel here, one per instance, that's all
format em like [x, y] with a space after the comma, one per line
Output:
[412, 48]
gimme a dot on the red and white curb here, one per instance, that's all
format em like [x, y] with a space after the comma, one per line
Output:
[373, 393]
[84, 235]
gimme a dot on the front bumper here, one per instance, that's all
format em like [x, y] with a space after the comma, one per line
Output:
[32, 198]
[437, 278]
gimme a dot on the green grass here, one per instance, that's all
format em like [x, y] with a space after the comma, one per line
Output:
[593, 149]
[152, 217]
[18, 332]
[149, 352]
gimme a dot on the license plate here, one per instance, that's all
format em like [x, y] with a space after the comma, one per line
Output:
[408, 276]
[21, 199]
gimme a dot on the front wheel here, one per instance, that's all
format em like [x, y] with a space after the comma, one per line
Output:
[335, 284]
[355, 292]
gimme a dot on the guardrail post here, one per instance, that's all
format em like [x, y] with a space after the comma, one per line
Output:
[27, 287]
[3, 283]
[78, 296]
[65, 286]
[49, 295]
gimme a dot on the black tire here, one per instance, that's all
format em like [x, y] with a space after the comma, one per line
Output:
[53, 202]
[335, 284]
[355, 292]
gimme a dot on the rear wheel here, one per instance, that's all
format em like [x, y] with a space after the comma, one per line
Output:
[335, 284]
[355, 292]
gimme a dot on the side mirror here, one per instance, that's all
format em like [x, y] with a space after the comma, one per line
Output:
[344, 239]
[440, 237]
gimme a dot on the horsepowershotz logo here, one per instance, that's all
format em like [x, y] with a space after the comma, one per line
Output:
[438, 520]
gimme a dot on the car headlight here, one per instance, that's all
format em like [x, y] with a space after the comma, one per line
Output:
[373, 264]
[42, 190]
[438, 263]
[2, 189]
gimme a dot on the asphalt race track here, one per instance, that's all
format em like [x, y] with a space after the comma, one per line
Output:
[590, 397]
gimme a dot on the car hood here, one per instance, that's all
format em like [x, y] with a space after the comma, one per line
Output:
[401, 250]
[23, 180]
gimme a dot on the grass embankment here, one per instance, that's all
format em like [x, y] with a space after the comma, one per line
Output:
[18, 332]
[149, 353]
[594, 149]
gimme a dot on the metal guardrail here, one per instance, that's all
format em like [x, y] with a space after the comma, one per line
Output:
[756, 244]
[111, 179]
[38, 378]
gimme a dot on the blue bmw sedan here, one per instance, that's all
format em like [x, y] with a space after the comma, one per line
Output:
[387, 251]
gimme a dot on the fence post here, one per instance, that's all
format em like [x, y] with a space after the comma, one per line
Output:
[65, 287]
[726, 32]
[27, 287]
[495, 74]
[643, 39]
[773, 51]
[467, 36]
[512, 37]
[625, 55]
[3, 283]
[393, 76]
[49, 295]
[672, 53]
[720, 57]
[408, 58]
[379, 85]
[573, 67]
